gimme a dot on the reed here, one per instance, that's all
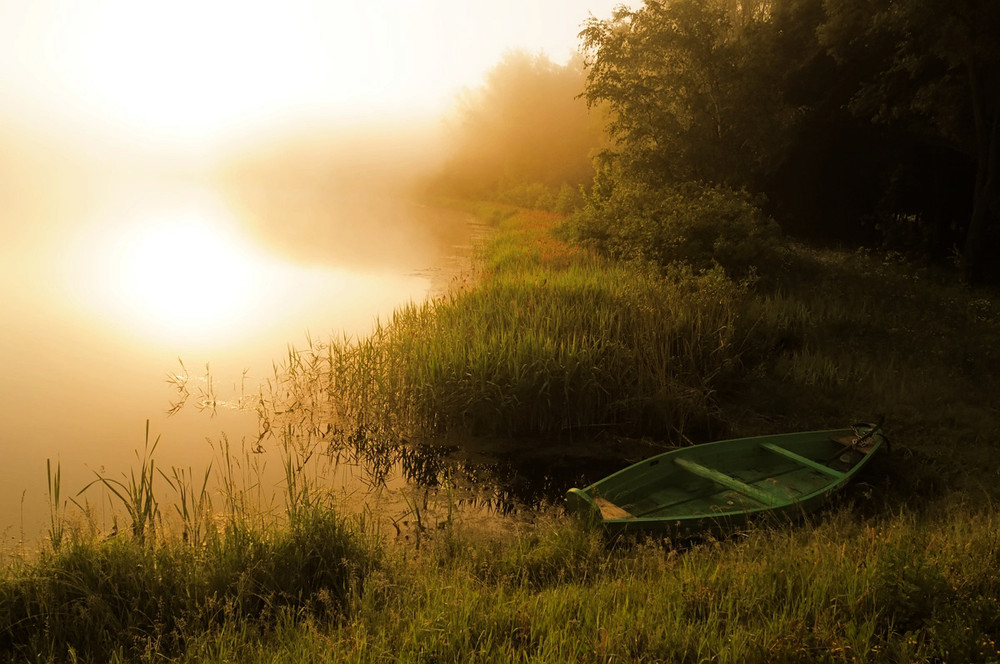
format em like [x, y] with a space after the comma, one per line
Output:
[550, 341]
[57, 522]
[136, 492]
[121, 599]
[145, 591]
[194, 507]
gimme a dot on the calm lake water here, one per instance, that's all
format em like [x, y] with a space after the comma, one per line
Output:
[101, 300]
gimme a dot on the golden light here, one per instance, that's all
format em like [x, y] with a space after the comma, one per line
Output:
[174, 268]
[172, 275]
[187, 69]
[181, 273]
[200, 74]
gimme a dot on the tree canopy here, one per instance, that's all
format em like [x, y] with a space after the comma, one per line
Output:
[875, 120]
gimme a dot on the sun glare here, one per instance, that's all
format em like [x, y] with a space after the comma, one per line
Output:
[179, 276]
[183, 273]
[186, 275]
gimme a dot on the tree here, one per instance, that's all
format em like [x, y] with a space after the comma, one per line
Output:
[688, 97]
[526, 126]
[935, 70]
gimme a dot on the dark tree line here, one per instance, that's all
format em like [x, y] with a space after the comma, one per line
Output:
[856, 120]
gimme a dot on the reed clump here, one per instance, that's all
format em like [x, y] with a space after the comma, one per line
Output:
[123, 597]
[550, 340]
[145, 589]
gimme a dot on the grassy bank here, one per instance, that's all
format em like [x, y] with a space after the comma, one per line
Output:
[905, 588]
[550, 343]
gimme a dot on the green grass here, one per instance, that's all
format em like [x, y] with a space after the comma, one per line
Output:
[852, 334]
[904, 588]
[95, 598]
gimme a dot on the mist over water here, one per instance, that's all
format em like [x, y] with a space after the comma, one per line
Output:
[169, 187]
[109, 275]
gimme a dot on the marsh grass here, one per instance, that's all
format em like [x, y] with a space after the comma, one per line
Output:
[57, 521]
[136, 492]
[95, 600]
[145, 590]
[907, 587]
[193, 504]
[551, 340]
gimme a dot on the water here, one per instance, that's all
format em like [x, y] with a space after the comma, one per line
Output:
[104, 294]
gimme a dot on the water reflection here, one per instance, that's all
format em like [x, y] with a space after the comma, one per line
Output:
[100, 300]
[175, 266]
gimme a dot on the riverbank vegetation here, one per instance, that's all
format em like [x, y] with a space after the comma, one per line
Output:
[904, 569]
[525, 137]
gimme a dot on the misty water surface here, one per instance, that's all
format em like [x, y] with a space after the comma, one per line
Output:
[103, 292]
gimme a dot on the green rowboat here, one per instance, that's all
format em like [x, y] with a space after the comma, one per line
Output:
[717, 486]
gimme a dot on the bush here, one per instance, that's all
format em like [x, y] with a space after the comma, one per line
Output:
[96, 600]
[564, 199]
[693, 223]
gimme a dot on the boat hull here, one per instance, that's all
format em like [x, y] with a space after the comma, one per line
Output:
[717, 487]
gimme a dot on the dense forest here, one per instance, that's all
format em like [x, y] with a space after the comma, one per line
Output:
[871, 123]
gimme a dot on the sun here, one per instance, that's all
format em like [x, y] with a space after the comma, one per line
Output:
[184, 273]
[180, 276]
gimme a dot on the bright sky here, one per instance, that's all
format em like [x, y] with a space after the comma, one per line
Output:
[195, 72]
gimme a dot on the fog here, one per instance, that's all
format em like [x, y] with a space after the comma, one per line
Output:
[112, 268]
[213, 182]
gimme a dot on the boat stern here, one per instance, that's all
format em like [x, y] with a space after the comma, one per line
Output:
[581, 505]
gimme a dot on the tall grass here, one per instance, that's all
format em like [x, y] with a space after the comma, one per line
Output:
[57, 527]
[145, 590]
[913, 588]
[550, 341]
[838, 334]
[95, 600]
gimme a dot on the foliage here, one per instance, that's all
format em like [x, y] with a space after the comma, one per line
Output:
[523, 136]
[552, 340]
[676, 82]
[933, 73]
[697, 225]
[858, 122]
[93, 599]
[537, 196]
[910, 587]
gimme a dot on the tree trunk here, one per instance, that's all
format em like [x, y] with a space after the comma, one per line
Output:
[987, 187]
[972, 256]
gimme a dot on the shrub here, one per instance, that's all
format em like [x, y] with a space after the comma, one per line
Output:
[689, 222]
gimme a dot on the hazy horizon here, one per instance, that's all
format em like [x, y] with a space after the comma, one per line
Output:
[192, 82]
